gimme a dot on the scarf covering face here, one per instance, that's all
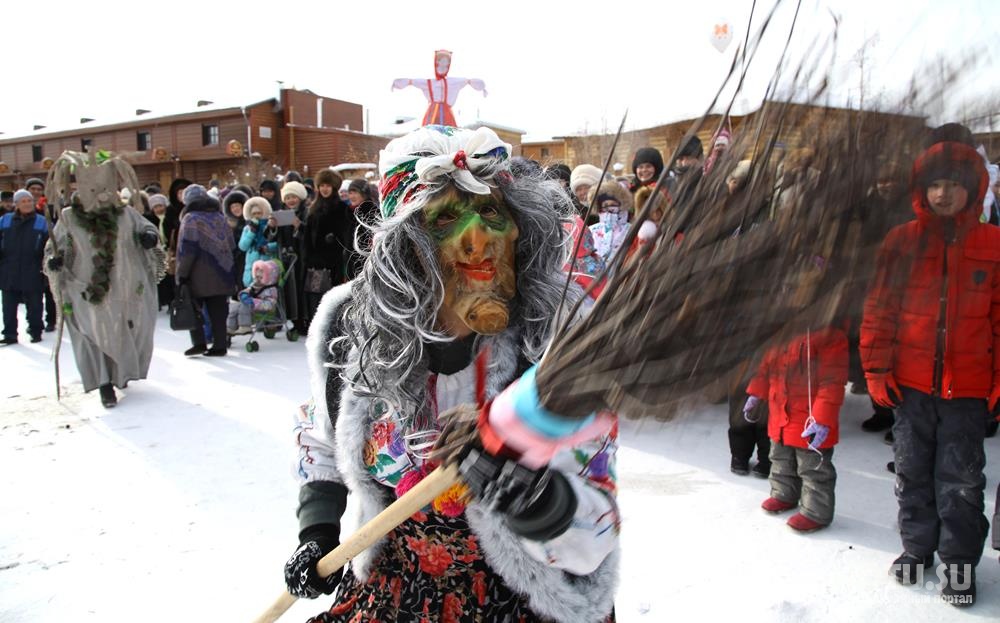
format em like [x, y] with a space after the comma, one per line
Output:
[415, 166]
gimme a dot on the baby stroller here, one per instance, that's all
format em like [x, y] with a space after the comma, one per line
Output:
[273, 321]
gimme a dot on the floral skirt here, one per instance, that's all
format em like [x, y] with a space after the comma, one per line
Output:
[430, 569]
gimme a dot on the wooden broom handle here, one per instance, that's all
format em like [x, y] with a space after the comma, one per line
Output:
[436, 483]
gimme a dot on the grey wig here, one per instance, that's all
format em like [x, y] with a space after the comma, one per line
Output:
[395, 302]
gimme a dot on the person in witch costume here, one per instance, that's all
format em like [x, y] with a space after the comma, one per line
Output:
[455, 301]
[103, 262]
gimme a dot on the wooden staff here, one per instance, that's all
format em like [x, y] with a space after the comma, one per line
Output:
[436, 483]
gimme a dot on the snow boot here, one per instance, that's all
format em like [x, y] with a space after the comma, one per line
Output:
[108, 398]
[991, 428]
[195, 350]
[774, 505]
[740, 467]
[216, 351]
[762, 469]
[891, 467]
[959, 588]
[801, 523]
[906, 569]
[889, 439]
[877, 423]
[859, 389]
[7, 341]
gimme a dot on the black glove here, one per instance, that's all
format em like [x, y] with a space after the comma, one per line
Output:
[148, 239]
[301, 576]
[329, 239]
[252, 225]
[55, 262]
[539, 504]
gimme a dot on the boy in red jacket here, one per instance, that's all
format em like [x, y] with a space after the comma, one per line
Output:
[930, 346]
[803, 382]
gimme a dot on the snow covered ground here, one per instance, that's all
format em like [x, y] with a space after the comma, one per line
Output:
[178, 505]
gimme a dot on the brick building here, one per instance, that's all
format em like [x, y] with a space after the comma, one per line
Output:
[297, 130]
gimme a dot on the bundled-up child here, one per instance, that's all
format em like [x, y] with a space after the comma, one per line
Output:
[803, 384]
[254, 241]
[930, 346]
[260, 297]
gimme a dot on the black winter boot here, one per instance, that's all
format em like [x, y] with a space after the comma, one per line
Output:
[878, 422]
[108, 398]
[762, 469]
[960, 587]
[740, 467]
[907, 569]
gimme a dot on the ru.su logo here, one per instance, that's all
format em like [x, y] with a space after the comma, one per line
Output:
[946, 575]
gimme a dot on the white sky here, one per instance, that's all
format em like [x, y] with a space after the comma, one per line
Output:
[550, 68]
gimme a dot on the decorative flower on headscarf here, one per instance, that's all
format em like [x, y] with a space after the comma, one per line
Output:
[417, 165]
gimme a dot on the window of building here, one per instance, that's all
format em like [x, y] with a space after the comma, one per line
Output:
[84, 144]
[209, 134]
[545, 152]
[36, 153]
[142, 141]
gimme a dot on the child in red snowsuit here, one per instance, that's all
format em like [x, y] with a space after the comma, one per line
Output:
[803, 384]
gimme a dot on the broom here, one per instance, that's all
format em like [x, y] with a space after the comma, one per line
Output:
[685, 313]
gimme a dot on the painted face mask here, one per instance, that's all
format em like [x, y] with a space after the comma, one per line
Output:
[475, 236]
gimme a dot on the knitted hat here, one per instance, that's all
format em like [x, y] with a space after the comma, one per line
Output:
[256, 202]
[326, 176]
[648, 155]
[358, 185]
[293, 176]
[584, 174]
[414, 167]
[23, 194]
[234, 197]
[294, 188]
[194, 192]
[269, 185]
[158, 200]
[34, 181]
[213, 192]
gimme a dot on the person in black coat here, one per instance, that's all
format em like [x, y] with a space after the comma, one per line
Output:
[326, 219]
[363, 211]
[23, 234]
[233, 208]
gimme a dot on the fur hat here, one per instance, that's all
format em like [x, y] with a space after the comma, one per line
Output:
[584, 174]
[294, 188]
[693, 148]
[194, 192]
[158, 200]
[326, 176]
[23, 194]
[558, 171]
[740, 171]
[648, 155]
[234, 196]
[33, 181]
[610, 190]
[256, 202]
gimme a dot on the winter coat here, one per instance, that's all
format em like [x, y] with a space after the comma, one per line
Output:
[333, 449]
[251, 241]
[324, 225]
[22, 246]
[815, 364]
[172, 217]
[205, 251]
[932, 314]
[236, 225]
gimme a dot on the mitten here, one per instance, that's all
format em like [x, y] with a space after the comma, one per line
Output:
[539, 503]
[748, 409]
[883, 389]
[819, 434]
[301, 577]
[148, 239]
[245, 298]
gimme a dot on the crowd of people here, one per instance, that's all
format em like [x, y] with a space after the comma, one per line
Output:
[453, 234]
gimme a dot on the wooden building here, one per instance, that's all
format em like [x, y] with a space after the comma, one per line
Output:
[297, 130]
[593, 149]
